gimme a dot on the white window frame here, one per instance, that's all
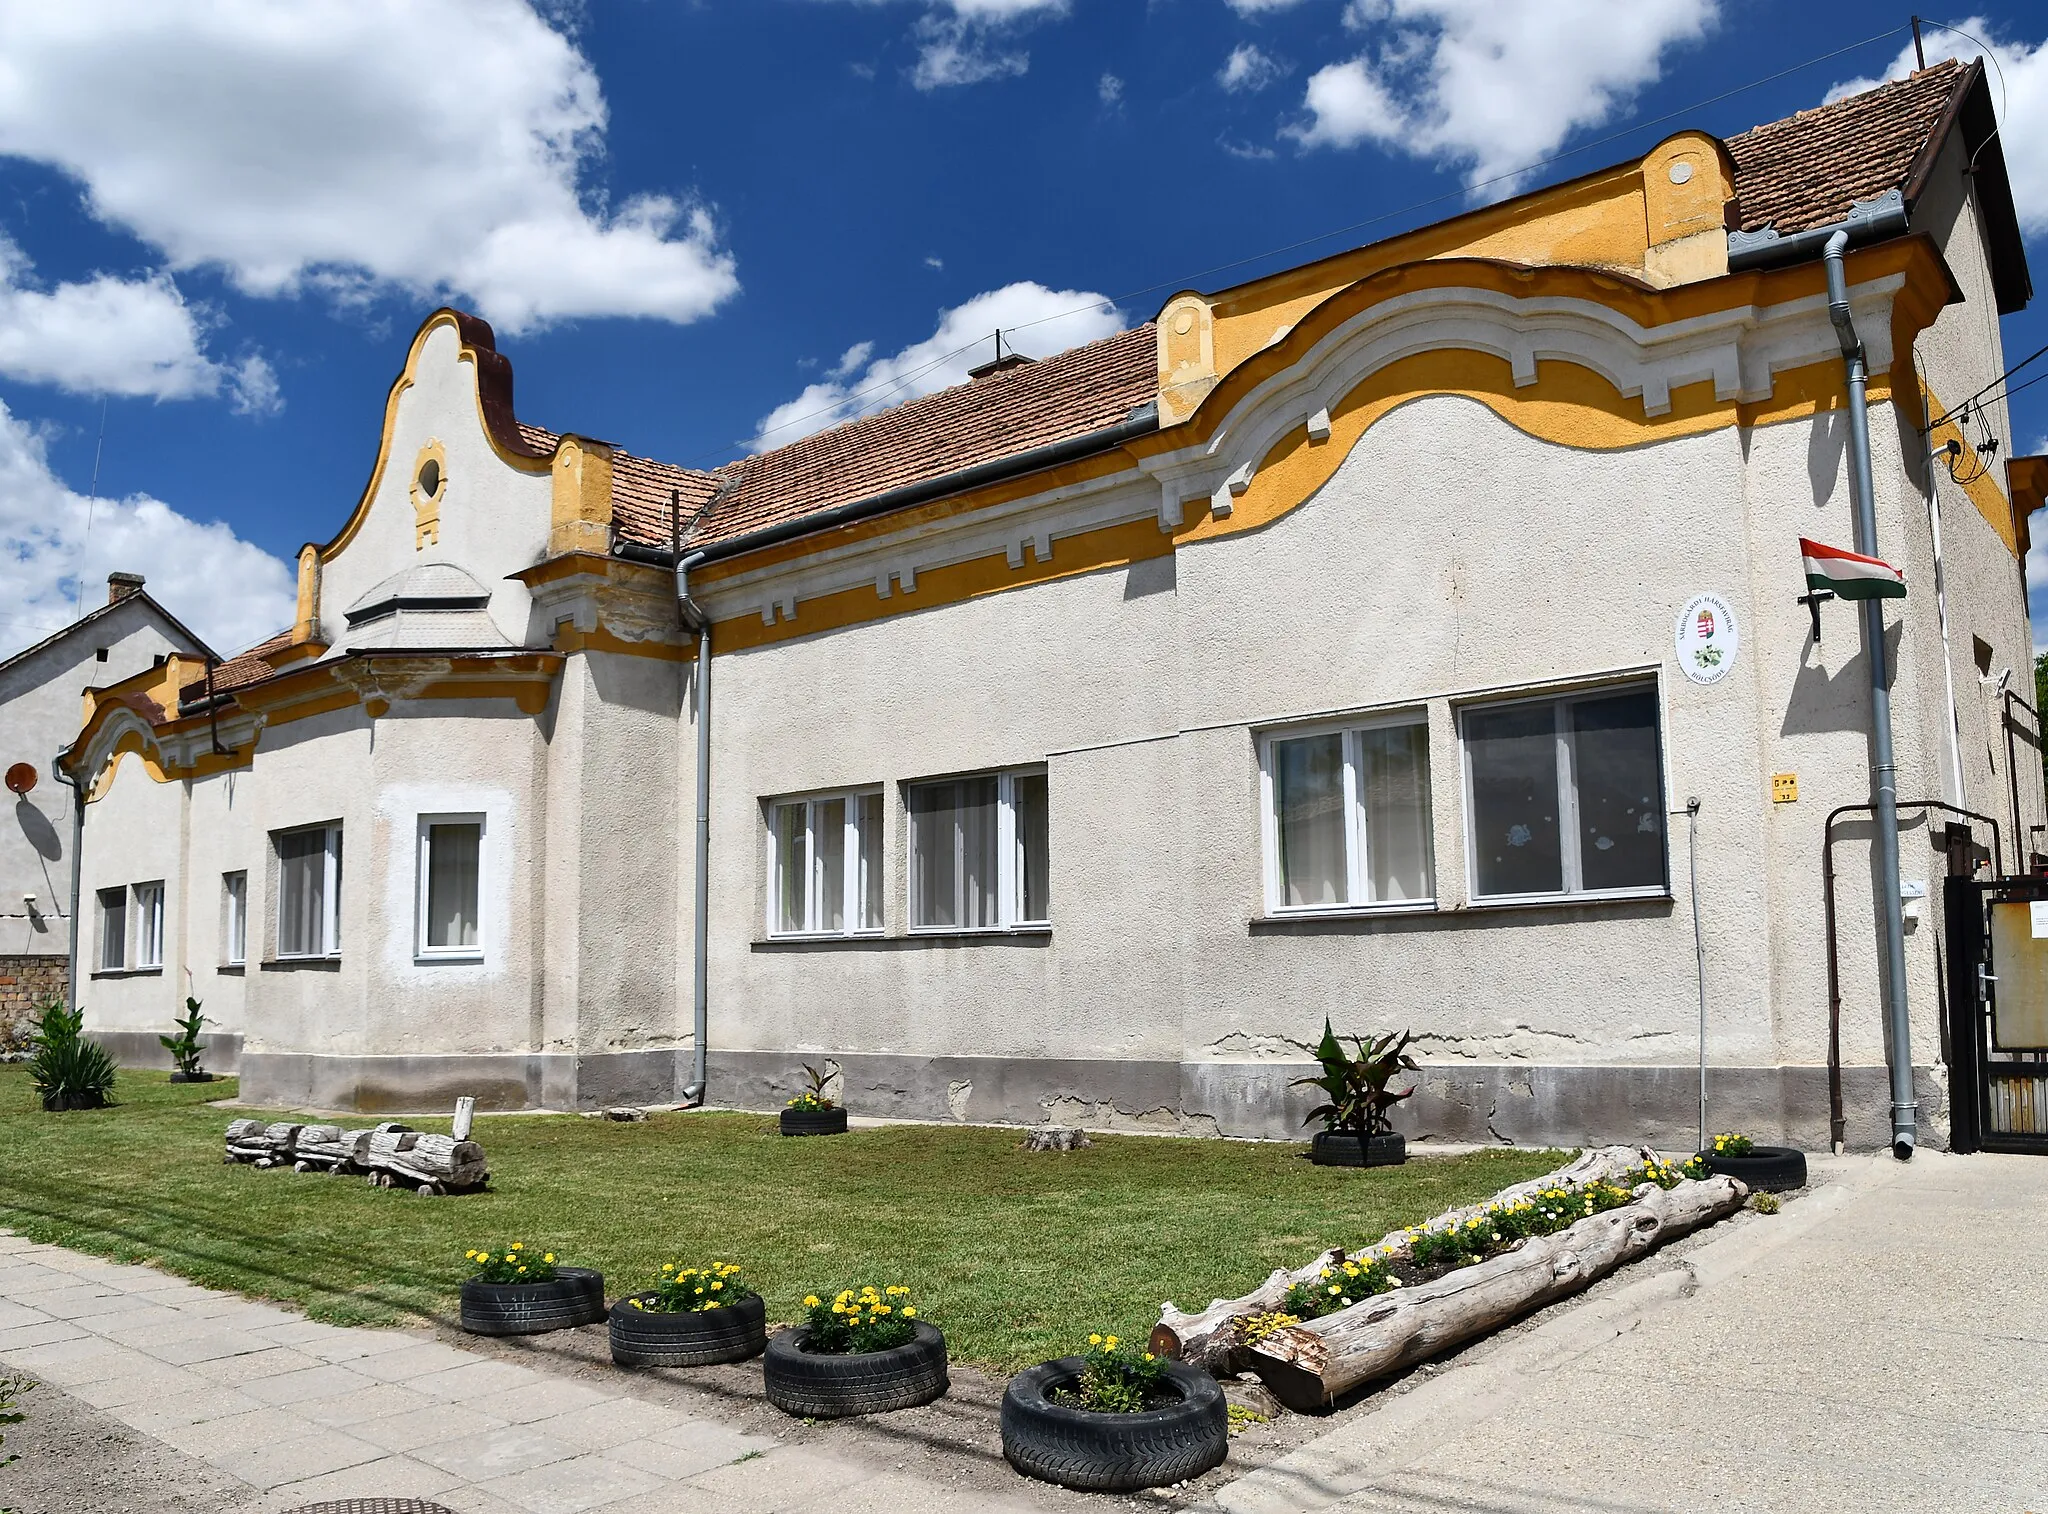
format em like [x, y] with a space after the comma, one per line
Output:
[1570, 863]
[234, 907]
[330, 924]
[148, 925]
[1357, 864]
[1009, 855]
[852, 900]
[421, 951]
[113, 905]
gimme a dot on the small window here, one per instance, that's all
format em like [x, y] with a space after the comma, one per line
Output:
[149, 925]
[978, 853]
[451, 886]
[99, 654]
[113, 929]
[825, 865]
[1566, 796]
[234, 918]
[1347, 818]
[309, 891]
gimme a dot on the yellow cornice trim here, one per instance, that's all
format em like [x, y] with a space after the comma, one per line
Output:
[570, 640]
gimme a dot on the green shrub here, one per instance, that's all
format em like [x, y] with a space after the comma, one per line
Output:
[1339, 1287]
[1116, 1380]
[1355, 1086]
[870, 1319]
[69, 1071]
[1733, 1144]
[814, 1097]
[514, 1264]
[184, 1047]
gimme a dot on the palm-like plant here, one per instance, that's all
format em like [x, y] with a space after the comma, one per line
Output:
[184, 1047]
[1355, 1083]
[69, 1071]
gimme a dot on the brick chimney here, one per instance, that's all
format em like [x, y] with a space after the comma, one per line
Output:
[121, 585]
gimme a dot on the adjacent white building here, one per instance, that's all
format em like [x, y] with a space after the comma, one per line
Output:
[1348, 643]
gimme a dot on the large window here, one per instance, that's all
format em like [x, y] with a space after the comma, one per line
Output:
[451, 886]
[978, 858]
[1566, 796]
[309, 891]
[825, 865]
[149, 925]
[234, 918]
[113, 903]
[1347, 817]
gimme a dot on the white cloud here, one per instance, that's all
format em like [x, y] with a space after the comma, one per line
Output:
[2020, 95]
[1109, 89]
[935, 263]
[1248, 70]
[135, 338]
[968, 41]
[1260, 7]
[1492, 87]
[439, 147]
[229, 591]
[1034, 320]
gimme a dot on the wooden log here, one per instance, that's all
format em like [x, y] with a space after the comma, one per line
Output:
[1311, 1364]
[1207, 1339]
[424, 1163]
[245, 1141]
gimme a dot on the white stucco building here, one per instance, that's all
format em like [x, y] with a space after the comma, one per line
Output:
[1082, 736]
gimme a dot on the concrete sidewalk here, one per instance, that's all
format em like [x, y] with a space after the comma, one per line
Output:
[1878, 1345]
[295, 1412]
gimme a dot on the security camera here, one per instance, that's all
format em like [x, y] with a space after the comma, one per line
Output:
[2004, 679]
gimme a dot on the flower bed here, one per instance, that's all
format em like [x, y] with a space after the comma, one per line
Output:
[863, 1353]
[1114, 1419]
[691, 1317]
[513, 1291]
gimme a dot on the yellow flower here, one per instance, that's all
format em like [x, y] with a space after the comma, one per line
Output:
[549, 1257]
[668, 1266]
[1150, 1357]
[518, 1245]
[638, 1305]
[810, 1301]
[1110, 1343]
[522, 1269]
[714, 1287]
[908, 1312]
[1094, 1340]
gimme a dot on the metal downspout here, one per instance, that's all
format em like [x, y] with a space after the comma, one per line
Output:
[1898, 1024]
[693, 1093]
[77, 873]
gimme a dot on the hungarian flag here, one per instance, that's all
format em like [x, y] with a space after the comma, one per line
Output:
[1850, 574]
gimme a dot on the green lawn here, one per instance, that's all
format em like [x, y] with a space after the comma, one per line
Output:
[1015, 1255]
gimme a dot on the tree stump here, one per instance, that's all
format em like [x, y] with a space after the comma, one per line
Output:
[1054, 1138]
[1309, 1365]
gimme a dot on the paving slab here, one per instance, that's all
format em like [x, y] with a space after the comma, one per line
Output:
[572, 1486]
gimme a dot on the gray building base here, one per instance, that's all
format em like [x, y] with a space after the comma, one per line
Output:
[142, 1048]
[1519, 1104]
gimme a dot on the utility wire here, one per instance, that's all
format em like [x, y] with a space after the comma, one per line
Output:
[91, 499]
[1963, 408]
[889, 386]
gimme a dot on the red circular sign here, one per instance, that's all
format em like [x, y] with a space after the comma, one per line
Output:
[21, 777]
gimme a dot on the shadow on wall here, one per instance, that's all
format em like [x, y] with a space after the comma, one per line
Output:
[35, 825]
[1826, 442]
[1839, 700]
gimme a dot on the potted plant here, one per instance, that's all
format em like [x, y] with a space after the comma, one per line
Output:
[863, 1353]
[513, 1291]
[692, 1317]
[813, 1112]
[184, 1047]
[1356, 1131]
[69, 1071]
[1762, 1169]
[1114, 1419]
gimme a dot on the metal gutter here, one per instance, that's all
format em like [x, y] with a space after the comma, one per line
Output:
[1867, 221]
[1140, 422]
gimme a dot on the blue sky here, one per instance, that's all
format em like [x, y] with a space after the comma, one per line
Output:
[219, 224]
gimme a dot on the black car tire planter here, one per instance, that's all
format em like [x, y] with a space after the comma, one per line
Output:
[803, 1122]
[829, 1385]
[191, 1077]
[1767, 1169]
[651, 1337]
[1113, 1453]
[1341, 1148]
[575, 1297]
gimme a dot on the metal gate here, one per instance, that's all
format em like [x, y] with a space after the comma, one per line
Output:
[1997, 937]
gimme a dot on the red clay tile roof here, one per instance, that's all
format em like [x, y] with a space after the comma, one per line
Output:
[1805, 170]
[238, 672]
[1066, 395]
[640, 490]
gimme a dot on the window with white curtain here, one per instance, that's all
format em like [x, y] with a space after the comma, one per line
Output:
[1566, 796]
[309, 891]
[978, 852]
[451, 887]
[113, 904]
[825, 865]
[149, 924]
[234, 918]
[1347, 817]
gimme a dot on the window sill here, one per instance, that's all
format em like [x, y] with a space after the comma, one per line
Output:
[1570, 901]
[232, 969]
[447, 959]
[976, 932]
[1351, 911]
[128, 972]
[813, 937]
[1033, 935]
[300, 964]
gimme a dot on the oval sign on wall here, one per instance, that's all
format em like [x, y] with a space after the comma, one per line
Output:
[1706, 638]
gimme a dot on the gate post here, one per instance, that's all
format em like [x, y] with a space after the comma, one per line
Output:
[1962, 910]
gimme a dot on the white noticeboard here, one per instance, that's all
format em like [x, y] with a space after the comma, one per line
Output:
[1706, 638]
[2019, 964]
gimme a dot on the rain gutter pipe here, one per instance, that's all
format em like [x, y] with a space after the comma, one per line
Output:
[700, 964]
[1898, 1024]
[77, 872]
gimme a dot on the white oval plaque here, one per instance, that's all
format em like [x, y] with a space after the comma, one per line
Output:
[1706, 638]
